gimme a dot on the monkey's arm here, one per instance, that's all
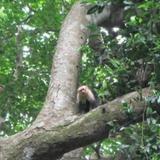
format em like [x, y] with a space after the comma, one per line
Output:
[84, 107]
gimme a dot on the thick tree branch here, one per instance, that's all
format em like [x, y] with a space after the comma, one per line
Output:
[45, 144]
[111, 16]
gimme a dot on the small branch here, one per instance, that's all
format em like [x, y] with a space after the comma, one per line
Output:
[1, 88]
[19, 56]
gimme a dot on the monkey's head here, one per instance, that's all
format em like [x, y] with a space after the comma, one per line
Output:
[82, 91]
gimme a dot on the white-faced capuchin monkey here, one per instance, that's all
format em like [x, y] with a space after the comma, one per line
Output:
[86, 99]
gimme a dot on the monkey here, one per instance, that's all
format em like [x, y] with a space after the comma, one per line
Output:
[86, 99]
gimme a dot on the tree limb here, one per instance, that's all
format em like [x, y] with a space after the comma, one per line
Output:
[44, 144]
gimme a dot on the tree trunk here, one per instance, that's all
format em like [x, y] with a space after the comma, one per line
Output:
[57, 130]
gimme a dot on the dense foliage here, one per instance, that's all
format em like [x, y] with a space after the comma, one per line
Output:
[128, 60]
[29, 31]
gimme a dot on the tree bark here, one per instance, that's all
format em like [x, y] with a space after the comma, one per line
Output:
[57, 130]
[47, 144]
[60, 99]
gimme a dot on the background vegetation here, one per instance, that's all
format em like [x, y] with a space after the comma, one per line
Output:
[128, 60]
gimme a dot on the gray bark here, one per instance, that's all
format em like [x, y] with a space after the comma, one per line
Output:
[47, 144]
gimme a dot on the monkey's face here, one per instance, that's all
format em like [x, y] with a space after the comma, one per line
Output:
[82, 91]
[85, 94]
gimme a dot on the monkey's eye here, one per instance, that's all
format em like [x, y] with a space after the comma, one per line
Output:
[83, 90]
